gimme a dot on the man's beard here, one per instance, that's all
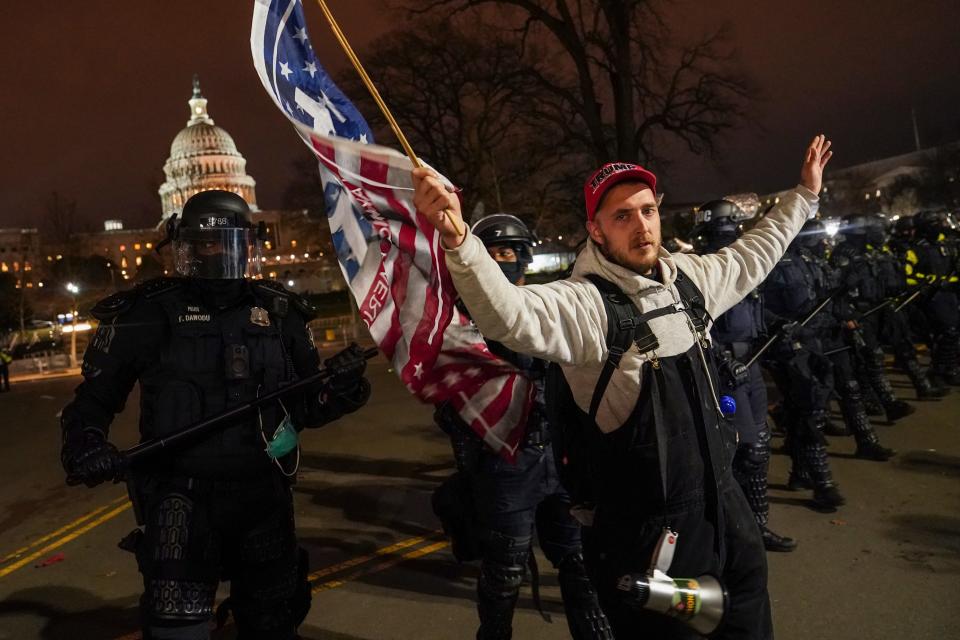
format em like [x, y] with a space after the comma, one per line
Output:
[628, 260]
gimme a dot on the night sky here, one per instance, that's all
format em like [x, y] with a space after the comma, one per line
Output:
[93, 93]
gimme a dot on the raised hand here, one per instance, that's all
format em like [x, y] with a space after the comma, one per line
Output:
[440, 206]
[818, 155]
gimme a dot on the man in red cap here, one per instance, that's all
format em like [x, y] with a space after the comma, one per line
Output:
[636, 387]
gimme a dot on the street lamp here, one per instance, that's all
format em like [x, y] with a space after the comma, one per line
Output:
[74, 290]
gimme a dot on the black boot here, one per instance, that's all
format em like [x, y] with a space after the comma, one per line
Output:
[826, 496]
[868, 445]
[585, 618]
[921, 382]
[775, 542]
[880, 384]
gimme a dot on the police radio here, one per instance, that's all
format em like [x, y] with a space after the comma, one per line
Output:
[700, 603]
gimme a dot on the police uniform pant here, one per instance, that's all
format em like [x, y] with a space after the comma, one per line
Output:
[943, 316]
[512, 501]
[752, 458]
[619, 544]
[200, 531]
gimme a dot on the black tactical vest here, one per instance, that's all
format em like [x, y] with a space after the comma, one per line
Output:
[213, 360]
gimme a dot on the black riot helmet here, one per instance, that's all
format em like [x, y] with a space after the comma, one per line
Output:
[717, 225]
[903, 228]
[932, 224]
[503, 229]
[215, 238]
[813, 237]
[864, 228]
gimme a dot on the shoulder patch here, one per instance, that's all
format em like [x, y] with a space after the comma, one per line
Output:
[113, 305]
[159, 286]
[283, 297]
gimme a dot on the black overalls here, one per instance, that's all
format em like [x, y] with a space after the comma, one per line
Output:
[669, 466]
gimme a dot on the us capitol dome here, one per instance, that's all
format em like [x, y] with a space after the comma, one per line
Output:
[202, 157]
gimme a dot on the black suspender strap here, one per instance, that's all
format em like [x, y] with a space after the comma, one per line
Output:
[626, 325]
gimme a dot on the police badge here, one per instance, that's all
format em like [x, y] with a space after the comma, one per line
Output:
[259, 317]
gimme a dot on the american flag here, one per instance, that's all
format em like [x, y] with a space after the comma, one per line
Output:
[390, 255]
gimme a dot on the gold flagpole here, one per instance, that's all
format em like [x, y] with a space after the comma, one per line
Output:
[342, 39]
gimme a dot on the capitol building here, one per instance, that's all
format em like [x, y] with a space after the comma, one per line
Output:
[203, 156]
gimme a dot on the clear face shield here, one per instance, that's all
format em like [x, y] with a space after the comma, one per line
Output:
[218, 253]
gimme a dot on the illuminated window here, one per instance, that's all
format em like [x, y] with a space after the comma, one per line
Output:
[139, 261]
[293, 244]
[123, 248]
[3, 267]
[136, 246]
[123, 262]
[16, 266]
[149, 245]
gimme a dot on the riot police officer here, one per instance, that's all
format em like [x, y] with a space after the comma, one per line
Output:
[218, 507]
[893, 323]
[932, 262]
[838, 334]
[512, 499]
[859, 273]
[735, 335]
[802, 374]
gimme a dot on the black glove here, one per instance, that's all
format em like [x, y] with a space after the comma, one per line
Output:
[734, 373]
[89, 459]
[791, 330]
[347, 367]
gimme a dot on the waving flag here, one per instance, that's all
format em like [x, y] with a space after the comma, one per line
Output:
[390, 255]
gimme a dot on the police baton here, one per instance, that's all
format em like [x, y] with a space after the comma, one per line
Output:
[155, 445]
[913, 296]
[781, 333]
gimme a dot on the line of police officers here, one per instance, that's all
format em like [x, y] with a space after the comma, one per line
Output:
[881, 285]
[212, 340]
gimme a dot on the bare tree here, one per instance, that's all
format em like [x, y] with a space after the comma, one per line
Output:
[474, 111]
[614, 77]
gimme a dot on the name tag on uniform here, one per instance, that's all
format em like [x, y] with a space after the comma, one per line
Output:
[259, 317]
[193, 314]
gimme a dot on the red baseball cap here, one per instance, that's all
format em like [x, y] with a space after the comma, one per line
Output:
[604, 178]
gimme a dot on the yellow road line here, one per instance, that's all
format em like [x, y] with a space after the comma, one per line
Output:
[19, 552]
[333, 584]
[64, 540]
[411, 555]
[382, 551]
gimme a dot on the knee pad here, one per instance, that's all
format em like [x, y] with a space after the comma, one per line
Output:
[751, 458]
[851, 389]
[172, 519]
[558, 531]
[503, 565]
[177, 603]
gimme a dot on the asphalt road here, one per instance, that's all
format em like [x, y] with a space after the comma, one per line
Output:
[884, 566]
